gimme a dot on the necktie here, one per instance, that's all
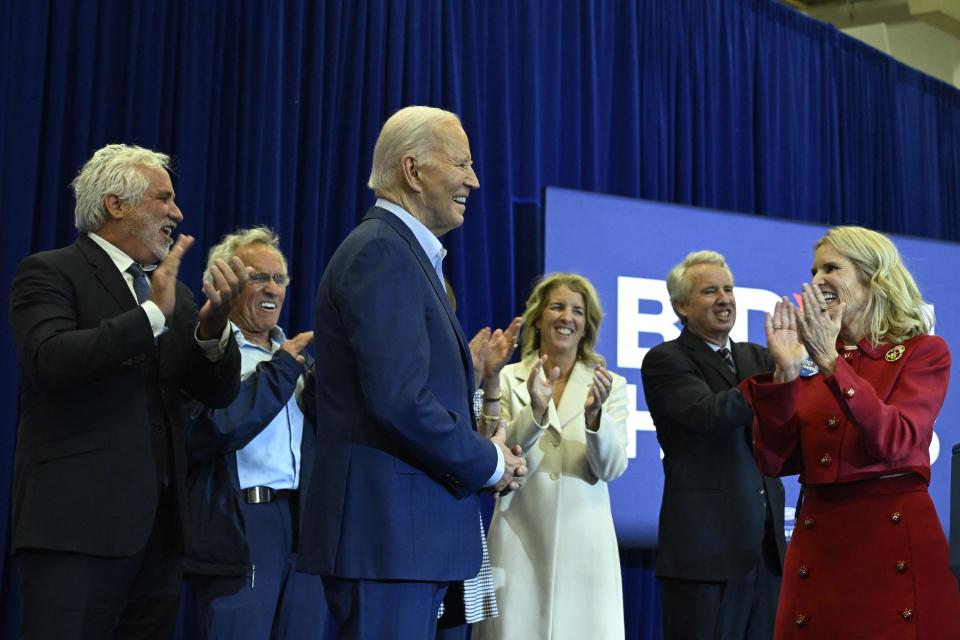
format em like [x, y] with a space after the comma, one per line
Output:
[728, 359]
[141, 285]
[452, 298]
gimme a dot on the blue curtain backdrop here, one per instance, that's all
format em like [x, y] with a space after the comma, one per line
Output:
[271, 110]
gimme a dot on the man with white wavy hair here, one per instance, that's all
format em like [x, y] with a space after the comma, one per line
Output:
[107, 355]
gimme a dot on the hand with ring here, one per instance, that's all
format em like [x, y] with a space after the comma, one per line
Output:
[819, 327]
[783, 341]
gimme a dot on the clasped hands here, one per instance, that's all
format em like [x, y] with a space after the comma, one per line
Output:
[793, 334]
[514, 464]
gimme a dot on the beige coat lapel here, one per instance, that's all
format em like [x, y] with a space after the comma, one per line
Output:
[574, 395]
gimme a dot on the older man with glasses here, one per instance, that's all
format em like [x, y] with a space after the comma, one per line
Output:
[249, 462]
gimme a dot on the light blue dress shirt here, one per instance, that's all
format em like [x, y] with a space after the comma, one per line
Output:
[272, 458]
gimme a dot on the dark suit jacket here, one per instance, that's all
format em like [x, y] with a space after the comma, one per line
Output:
[399, 462]
[94, 385]
[712, 516]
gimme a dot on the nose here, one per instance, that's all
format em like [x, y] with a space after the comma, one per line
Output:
[175, 212]
[271, 287]
[472, 180]
[817, 278]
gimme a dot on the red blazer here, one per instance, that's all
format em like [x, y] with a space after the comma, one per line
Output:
[874, 416]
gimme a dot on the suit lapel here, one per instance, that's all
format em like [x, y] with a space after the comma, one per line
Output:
[106, 272]
[430, 274]
[521, 375]
[574, 394]
[747, 364]
[706, 356]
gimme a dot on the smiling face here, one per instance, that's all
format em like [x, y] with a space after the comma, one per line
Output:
[257, 310]
[840, 280]
[711, 308]
[446, 179]
[150, 224]
[562, 322]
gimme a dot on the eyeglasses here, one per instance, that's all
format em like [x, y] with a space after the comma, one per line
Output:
[258, 278]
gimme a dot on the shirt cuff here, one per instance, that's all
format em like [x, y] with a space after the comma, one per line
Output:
[158, 322]
[214, 348]
[495, 478]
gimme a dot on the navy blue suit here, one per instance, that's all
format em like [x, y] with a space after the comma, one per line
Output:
[399, 462]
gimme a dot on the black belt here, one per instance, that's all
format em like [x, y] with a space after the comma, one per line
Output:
[256, 495]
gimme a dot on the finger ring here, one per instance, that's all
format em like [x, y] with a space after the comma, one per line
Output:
[809, 317]
[777, 327]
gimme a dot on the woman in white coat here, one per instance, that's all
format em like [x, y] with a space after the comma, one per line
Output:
[553, 549]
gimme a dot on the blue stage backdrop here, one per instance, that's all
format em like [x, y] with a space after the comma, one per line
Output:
[626, 247]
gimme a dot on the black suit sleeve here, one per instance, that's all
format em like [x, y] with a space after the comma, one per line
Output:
[53, 351]
[677, 394]
[214, 383]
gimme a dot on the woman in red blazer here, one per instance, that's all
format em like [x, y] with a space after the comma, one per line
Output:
[850, 407]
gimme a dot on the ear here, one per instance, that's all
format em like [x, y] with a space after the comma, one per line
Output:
[114, 206]
[680, 309]
[410, 171]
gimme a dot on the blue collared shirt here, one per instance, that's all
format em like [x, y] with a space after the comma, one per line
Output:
[430, 243]
[272, 458]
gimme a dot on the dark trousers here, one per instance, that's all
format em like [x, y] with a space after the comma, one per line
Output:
[275, 601]
[743, 609]
[74, 596]
[374, 609]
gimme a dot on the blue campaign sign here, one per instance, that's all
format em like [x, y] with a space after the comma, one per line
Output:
[626, 247]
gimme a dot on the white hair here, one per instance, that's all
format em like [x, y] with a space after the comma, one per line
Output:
[112, 170]
[410, 131]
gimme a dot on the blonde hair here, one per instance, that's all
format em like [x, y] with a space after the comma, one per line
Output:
[233, 242]
[537, 304]
[113, 169]
[410, 131]
[895, 310]
[678, 285]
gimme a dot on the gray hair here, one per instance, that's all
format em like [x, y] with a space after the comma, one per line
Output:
[678, 286]
[113, 169]
[409, 131]
[233, 242]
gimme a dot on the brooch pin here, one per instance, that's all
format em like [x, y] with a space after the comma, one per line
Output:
[808, 368]
[895, 353]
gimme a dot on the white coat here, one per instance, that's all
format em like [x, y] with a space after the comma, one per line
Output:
[553, 549]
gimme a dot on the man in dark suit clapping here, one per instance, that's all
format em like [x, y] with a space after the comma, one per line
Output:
[721, 541]
[106, 357]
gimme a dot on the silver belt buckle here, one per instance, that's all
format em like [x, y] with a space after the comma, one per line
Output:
[256, 495]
